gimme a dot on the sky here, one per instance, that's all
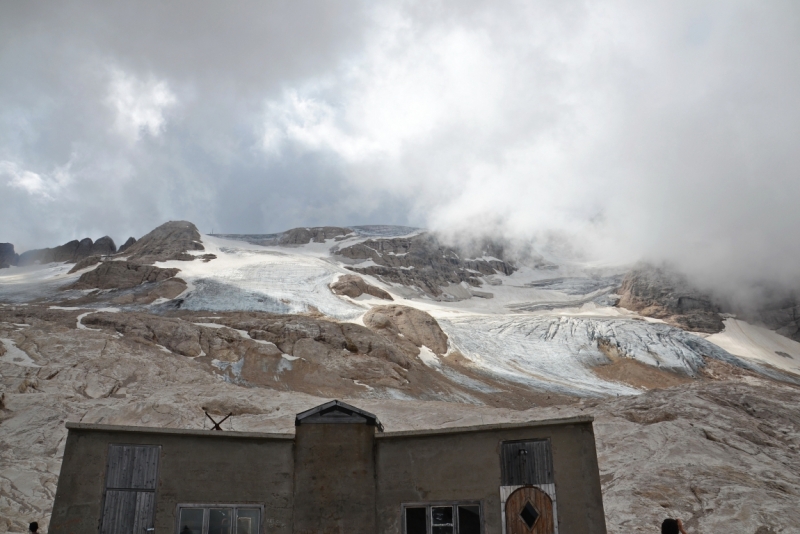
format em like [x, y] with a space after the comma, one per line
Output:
[601, 131]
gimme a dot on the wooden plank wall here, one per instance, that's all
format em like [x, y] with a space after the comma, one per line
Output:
[131, 479]
[527, 462]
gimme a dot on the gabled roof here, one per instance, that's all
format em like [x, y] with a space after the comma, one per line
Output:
[337, 412]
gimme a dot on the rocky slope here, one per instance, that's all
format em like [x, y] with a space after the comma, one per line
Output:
[170, 241]
[720, 451]
[353, 286]
[421, 262]
[276, 324]
[662, 293]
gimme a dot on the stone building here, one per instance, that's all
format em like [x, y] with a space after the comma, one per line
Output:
[340, 472]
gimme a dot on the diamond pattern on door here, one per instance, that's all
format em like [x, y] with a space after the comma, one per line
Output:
[529, 510]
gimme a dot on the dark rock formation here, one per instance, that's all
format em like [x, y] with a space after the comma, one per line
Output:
[403, 325]
[319, 234]
[127, 244]
[7, 255]
[68, 252]
[353, 286]
[121, 275]
[71, 252]
[104, 247]
[664, 294]
[170, 241]
[421, 261]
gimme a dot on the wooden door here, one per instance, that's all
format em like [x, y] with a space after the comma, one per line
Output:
[529, 510]
[131, 480]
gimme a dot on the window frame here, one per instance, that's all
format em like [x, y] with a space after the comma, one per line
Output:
[434, 504]
[207, 506]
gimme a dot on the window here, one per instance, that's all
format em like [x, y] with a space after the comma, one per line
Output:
[219, 519]
[442, 518]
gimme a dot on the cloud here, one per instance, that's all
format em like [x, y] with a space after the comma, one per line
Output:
[139, 105]
[36, 185]
[608, 132]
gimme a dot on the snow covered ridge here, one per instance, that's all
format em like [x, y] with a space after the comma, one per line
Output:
[552, 328]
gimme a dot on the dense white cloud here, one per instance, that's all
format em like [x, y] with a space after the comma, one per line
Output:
[139, 105]
[45, 187]
[613, 130]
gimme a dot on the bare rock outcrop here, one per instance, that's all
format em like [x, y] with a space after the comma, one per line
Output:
[125, 246]
[404, 324]
[421, 261]
[104, 247]
[352, 285]
[319, 234]
[121, 275]
[661, 293]
[7, 255]
[170, 241]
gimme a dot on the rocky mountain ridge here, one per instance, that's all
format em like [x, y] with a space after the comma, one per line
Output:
[684, 427]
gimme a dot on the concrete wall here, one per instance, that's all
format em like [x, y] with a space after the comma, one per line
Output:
[465, 466]
[334, 479]
[199, 467]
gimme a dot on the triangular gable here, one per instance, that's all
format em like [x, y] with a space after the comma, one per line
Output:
[337, 412]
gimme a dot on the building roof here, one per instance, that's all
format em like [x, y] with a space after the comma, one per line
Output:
[93, 427]
[337, 411]
[574, 420]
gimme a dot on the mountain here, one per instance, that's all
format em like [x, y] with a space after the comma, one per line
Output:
[696, 409]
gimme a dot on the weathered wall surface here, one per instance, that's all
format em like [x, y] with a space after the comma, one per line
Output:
[465, 466]
[193, 469]
[335, 479]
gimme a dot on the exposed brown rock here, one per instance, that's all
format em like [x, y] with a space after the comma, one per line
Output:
[665, 294]
[401, 323]
[170, 241]
[121, 275]
[352, 285]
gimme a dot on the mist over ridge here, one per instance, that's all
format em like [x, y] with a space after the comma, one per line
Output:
[601, 134]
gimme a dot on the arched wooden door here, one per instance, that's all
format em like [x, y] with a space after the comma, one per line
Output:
[529, 510]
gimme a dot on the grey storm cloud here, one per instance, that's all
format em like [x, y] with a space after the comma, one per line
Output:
[608, 131]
